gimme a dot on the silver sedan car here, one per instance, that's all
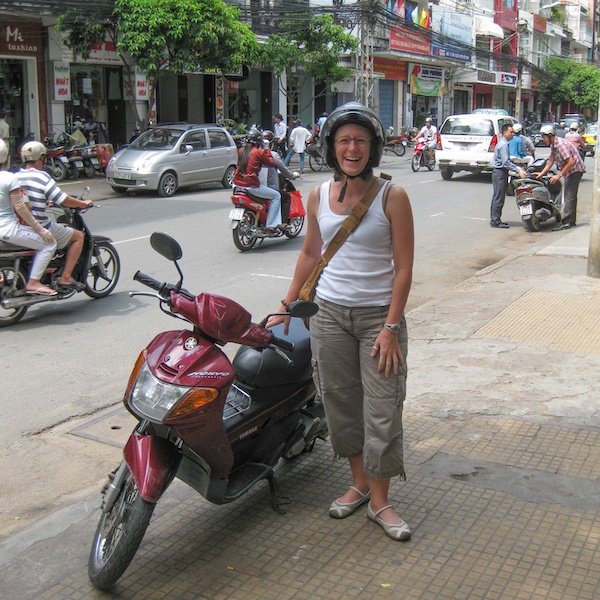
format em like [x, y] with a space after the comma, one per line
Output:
[169, 156]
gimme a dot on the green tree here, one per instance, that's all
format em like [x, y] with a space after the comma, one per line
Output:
[310, 50]
[180, 36]
[570, 81]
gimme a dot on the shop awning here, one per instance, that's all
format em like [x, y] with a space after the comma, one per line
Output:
[486, 26]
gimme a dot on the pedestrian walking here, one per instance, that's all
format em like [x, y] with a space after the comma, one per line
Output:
[299, 137]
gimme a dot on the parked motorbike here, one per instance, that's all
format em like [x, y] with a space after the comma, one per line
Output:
[57, 163]
[396, 144]
[249, 216]
[98, 268]
[538, 200]
[75, 157]
[421, 156]
[219, 426]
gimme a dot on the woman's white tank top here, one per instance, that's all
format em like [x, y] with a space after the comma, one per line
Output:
[361, 272]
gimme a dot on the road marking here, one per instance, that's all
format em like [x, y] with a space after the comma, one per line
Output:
[437, 215]
[270, 275]
[476, 218]
[144, 237]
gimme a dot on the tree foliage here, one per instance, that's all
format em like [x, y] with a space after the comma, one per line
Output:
[181, 36]
[311, 50]
[570, 81]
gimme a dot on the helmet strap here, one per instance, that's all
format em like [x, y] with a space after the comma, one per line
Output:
[344, 188]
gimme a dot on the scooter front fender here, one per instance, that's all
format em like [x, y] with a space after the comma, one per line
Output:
[153, 463]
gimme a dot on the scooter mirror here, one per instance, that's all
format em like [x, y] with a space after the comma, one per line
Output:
[166, 246]
[302, 309]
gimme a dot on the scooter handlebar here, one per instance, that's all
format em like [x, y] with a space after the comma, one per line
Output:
[148, 281]
[283, 344]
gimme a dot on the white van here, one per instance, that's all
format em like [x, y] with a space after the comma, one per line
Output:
[467, 142]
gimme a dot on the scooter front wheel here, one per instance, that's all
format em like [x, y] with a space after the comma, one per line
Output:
[416, 162]
[119, 535]
[244, 235]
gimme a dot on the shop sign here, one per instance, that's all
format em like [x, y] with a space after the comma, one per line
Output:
[391, 69]
[19, 37]
[104, 52]
[486, 77]
[426, 81]
[406, 40]
[455, 26]
[508, 79]
[141, 85]
[62, 81]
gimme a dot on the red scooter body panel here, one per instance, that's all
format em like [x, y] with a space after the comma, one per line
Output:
[153, 464]
[243, 201]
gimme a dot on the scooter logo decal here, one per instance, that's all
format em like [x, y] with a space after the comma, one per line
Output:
[190, 343]
[209, 374]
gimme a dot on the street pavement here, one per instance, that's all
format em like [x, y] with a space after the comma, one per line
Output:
[502, 448]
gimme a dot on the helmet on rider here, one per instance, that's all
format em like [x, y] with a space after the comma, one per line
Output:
[3, 152]
[428, 121]
[32, 151]
[517, 127]
[267, 134]
[574, 126]
[353, 113]
[547, 130]
[254, 136]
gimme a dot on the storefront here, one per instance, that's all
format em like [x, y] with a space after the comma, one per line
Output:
[391, 91]
[22, 91]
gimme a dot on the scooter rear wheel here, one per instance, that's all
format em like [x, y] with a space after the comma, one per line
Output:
[119, 535]
[295, 227]
[399, 149]
[532, 222]
[244, 235]
[12, 283]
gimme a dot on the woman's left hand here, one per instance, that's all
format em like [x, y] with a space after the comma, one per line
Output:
[390, 356]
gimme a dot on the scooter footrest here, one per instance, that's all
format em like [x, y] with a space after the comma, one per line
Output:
[244, 478]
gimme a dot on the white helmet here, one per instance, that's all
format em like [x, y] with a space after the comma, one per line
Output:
[3, 152]
[574, 126]
[547, 130]
[517, 127]
[32, 151]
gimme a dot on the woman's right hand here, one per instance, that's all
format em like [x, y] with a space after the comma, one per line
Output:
[47, 236]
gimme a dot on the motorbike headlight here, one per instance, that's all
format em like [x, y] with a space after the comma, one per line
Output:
[152, 398]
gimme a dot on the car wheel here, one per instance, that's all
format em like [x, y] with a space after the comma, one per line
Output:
[167, 185]
[228, 177]
[446, 174]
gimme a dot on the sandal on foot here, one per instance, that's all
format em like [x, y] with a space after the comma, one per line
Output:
[397, 531]
[42, 291]
[341, 510]
[74, 285]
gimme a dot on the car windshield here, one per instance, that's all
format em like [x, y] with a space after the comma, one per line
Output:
[158, 138]
[468, 126]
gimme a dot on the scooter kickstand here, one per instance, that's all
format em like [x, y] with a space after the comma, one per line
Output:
[276, 499]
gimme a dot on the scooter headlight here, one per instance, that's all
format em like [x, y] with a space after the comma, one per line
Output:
[152, 398]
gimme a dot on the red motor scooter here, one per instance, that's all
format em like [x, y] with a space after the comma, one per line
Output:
[421, 156]
[249, 216]
[219, 426]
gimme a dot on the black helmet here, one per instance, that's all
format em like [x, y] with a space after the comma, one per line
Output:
[254, 135]
[353, 113]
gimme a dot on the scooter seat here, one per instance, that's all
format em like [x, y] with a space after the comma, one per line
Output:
[266, 368]
[7, 246]
[239, 190]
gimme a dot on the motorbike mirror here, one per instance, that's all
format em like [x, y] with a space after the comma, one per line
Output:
[302, 309]
[166, 246]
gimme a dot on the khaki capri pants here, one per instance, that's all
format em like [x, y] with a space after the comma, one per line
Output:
[363, 407]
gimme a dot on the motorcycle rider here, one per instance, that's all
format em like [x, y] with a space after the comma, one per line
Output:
[272, 176]
[32, 235]
[250, 160]
[429, 132]
[576, 138]
[43, 191]
[516, 148]
[571, 168]
[280, 131]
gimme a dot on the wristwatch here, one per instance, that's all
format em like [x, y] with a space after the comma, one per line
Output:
[393, 327]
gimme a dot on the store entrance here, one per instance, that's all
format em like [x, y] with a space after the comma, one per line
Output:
[13, 91]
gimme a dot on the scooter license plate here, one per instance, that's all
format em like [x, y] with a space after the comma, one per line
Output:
[526, 209]
[236, 214]
[79, 164]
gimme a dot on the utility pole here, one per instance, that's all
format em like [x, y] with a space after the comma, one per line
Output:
[521, 26]
[593, 264]
[363, 81]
